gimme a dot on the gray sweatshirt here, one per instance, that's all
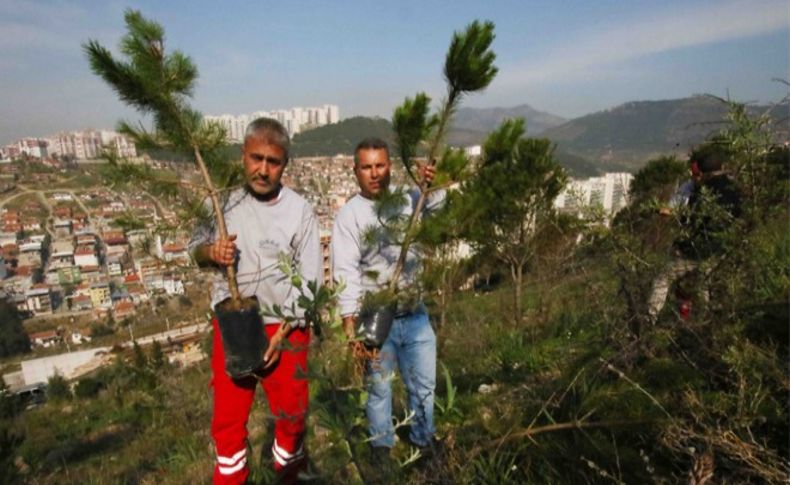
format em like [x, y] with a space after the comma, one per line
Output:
[264, 229]
[368, 268]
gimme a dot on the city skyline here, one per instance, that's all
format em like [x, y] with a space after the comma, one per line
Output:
[569, 59]
[89, 142]
[295, 119]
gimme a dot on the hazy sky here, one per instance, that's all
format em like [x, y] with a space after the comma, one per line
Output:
[569, 58]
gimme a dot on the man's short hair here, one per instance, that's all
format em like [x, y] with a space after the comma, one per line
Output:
[370, 143]
[269, 131]
[711, 157]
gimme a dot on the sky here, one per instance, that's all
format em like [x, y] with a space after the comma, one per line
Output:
[569, 58]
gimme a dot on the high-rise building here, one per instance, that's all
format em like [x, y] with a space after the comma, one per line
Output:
[33, 147]
[90, 144]
[295, 120]
[333, 113]
[609, 192]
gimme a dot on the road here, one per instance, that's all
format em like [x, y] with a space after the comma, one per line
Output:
[174, 334]
[12, 197]
[40, 194]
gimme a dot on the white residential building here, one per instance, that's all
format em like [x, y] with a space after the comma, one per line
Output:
[33, 147]
[63, 227]
[473, 151]
[608, 192]
[114, 269]
[85, 256]
[173, 285]
[90, 144]
[7, 238]
[39, 300]
[62, 254]
[295, 120]
[30, 245]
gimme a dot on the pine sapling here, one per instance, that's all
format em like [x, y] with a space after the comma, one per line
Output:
[160, 85]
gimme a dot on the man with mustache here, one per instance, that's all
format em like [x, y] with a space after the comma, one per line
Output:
[263, 219]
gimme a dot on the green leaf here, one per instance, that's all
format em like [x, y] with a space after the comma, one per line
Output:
[296, 281]
[451, 167]
[304, 302]
[412, 124]
[469, 65]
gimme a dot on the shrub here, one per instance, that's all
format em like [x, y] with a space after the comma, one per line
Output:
[58, 388]
[88, 387]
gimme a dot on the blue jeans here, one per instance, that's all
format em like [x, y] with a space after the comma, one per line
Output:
[411, 346]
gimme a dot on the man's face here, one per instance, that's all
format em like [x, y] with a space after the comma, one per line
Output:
[372, 171]
[263, 165]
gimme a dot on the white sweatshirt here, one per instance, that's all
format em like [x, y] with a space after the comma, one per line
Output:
[368, 268]
[264, 229]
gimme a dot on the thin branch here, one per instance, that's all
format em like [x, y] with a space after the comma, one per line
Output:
[550, 428]
[636, 385]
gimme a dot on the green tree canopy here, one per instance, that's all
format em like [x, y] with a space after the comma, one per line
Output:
[160, 84]
[509, 201]
[13, 339]
[658, 177]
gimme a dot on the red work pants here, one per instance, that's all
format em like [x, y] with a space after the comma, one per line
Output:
[286, 390]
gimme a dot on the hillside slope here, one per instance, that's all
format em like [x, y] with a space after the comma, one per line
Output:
[632, 133]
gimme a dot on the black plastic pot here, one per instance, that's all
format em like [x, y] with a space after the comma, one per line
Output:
[374, 325]
[243, 340]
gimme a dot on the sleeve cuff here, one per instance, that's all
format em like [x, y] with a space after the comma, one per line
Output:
[348, 309]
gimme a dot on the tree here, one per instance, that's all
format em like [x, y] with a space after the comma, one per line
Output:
[656, 177]
[58, 388]
[87, 387]
[13, 338]
[10, 404]
[100, 330]
[509, 201]
[445, 267]
[9, 443]
[468, 68]
[184, 301]
[139, 360]
[160, 84]
[157, 358]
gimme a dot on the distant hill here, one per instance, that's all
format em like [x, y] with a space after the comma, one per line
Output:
[470, 127]
[621, 138]
[628, 135]
[341, 137]
[485, 120]
[577, 166]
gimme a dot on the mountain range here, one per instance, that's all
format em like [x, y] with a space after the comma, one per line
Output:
[631, 134]
[622, 138]
[485, 119]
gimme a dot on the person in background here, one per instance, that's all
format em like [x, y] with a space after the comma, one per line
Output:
[703, 232]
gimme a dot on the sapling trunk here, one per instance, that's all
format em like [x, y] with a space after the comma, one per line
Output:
[230, 270]
[159, 84]
[468, 68]
[447, 112]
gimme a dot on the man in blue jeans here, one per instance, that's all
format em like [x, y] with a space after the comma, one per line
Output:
[366, 267]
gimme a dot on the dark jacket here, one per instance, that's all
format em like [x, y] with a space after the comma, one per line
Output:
[709, 217]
